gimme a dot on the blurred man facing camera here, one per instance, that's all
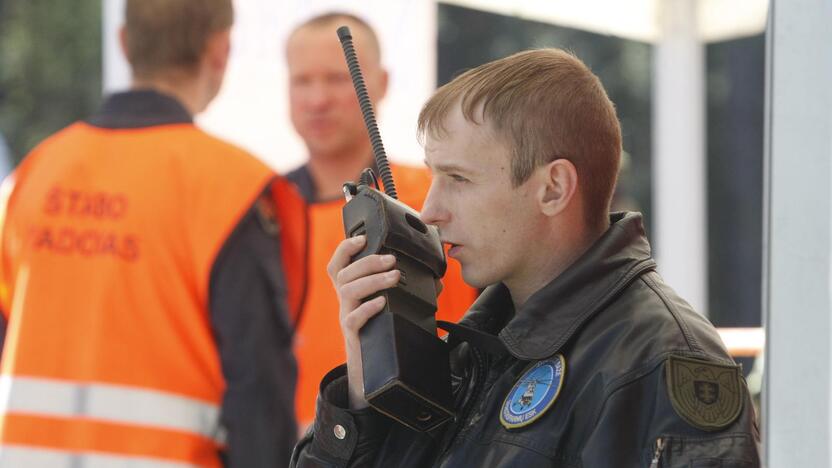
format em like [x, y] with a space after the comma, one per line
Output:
[325, 113]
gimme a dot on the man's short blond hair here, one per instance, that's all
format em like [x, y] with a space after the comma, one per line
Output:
[545, 105]
[336, 19]
[165, 35]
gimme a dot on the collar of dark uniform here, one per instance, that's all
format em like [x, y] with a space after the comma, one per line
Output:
[302, 178]
[139, 109]
[484, 319]
[554, 313]
[491, 311]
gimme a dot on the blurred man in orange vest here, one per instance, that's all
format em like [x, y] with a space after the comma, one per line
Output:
[145, 268]
[325, 113]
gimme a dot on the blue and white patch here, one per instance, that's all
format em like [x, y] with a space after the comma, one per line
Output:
[534, 393]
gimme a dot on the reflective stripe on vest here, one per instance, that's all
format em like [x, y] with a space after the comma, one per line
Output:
[112, 403]
[14, 456]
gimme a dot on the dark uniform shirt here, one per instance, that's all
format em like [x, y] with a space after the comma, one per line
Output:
[604, 367]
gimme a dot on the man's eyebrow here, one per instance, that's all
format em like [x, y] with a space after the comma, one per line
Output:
[446, 168]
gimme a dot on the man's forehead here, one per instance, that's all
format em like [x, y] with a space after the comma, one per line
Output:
[455, 126]
[462, 144]
[366, 47]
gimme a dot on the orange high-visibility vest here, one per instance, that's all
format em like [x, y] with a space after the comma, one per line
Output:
[107, 248]
[293, 219]
[319, 345]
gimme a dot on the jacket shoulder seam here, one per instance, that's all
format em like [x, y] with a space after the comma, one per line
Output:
[689, 338]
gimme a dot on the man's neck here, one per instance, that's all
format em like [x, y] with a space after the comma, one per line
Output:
[330, 173]
[563, 252]
[186, 92]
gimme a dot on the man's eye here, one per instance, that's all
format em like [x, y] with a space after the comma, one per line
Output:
[457, 178]
[300, 84]
[337, 78]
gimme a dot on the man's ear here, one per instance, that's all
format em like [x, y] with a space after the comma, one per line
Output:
[122, 41]
[559, 185]
[383, 79]
[217, 50]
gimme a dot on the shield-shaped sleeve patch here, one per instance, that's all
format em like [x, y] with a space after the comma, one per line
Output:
[707, 395]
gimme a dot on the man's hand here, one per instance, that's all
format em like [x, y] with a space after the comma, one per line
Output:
[353, 282]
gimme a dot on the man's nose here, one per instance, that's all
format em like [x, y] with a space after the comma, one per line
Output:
[433, 211]
[318, 96]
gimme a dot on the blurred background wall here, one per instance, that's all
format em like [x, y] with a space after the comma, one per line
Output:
[252, 108]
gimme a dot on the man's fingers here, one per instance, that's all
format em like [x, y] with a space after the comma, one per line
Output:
[368, 285]
[345, 250]
[358, 317]
[363, 267]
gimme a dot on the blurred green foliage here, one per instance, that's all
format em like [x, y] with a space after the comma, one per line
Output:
[50, 67]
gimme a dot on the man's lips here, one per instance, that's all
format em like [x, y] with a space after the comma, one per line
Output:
[319, 123]
[453, 249]
[319, 126]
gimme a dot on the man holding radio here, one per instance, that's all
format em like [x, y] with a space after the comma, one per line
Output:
[579, 355]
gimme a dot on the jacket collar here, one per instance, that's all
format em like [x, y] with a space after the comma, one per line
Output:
[139, 109]
[554, 313]
[302, 178]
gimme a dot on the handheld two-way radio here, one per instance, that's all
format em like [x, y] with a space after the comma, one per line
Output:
[406, 367]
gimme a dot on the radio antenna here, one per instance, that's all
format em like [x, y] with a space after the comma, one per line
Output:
[380, 156]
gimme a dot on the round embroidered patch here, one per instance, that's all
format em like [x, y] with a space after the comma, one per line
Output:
[533, 393]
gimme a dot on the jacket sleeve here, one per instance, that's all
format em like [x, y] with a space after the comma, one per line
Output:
[6, 188]
[340, 437]
[639, 426]
[254, 339]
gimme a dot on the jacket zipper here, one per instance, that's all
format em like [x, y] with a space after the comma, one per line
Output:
[657, 454]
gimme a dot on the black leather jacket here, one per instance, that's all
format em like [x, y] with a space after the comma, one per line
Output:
[647, 381]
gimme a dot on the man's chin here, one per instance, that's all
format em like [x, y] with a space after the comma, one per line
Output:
[473, 279]
[326, 149]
